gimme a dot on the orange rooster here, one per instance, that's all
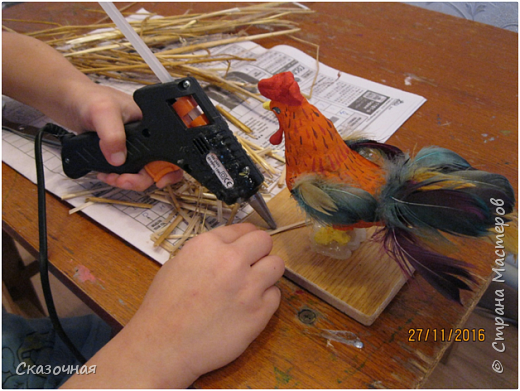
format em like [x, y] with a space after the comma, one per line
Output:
[340, 183]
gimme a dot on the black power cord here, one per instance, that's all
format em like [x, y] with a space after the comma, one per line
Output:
[42, 226]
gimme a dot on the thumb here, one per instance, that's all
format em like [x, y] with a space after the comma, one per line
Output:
[109, 126]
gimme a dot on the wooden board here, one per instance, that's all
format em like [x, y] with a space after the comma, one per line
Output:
[361, 286]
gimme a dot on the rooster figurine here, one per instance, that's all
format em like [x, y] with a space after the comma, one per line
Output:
[347, 184]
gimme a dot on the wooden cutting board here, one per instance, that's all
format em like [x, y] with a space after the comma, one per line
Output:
[361, 286]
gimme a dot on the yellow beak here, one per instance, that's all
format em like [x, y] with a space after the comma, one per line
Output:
[267, 105]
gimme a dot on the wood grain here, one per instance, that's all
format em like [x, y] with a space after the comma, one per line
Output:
[361, 286]
[467, 71]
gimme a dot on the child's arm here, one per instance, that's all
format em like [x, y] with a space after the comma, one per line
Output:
[37, 75]
[203, 309]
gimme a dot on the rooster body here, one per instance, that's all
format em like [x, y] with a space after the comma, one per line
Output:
[325, 153]
[362, 183]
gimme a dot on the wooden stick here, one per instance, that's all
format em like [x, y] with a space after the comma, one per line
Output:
[118, 202]
[288, 227]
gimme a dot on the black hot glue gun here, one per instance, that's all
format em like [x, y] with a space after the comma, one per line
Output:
[180, 128]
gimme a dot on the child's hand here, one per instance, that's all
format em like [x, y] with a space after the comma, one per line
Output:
[37, 75]
[204, 307]
[105, 110]
[212, 300]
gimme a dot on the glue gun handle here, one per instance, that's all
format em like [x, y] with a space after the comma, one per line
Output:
[82, 154]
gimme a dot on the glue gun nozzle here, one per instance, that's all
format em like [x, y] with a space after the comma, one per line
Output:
[258, 204]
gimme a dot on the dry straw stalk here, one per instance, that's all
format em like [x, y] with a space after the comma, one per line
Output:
[108, 53]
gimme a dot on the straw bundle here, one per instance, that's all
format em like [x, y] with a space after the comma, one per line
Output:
[107, 53]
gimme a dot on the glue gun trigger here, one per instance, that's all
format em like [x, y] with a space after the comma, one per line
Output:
[157, 170]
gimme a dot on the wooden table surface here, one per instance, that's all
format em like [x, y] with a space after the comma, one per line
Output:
[468, 74]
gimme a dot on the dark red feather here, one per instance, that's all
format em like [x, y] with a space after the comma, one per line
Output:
[445, 274]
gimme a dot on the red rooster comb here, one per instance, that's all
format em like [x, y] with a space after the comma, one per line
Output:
[282, 88]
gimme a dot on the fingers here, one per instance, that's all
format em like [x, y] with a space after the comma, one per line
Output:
[138, 182]
[109, 125]
[170, 179]
[271, 297]
[257, 244]
[106, 114]
[129, 109]
[229, 234]
[268, 270]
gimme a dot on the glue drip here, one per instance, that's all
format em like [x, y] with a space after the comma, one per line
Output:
[343, 336]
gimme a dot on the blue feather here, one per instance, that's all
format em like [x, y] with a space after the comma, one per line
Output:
[351, 204]
[439, 159]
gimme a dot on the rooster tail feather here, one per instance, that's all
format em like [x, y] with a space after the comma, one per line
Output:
[488, 187]
[445, 274]
[439, 192]
[432, 193]
[440, 159]
[450, 211]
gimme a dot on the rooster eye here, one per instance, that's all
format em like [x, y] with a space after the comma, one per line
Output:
[276, 110]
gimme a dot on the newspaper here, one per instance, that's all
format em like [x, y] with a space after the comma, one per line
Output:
[352, 104]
